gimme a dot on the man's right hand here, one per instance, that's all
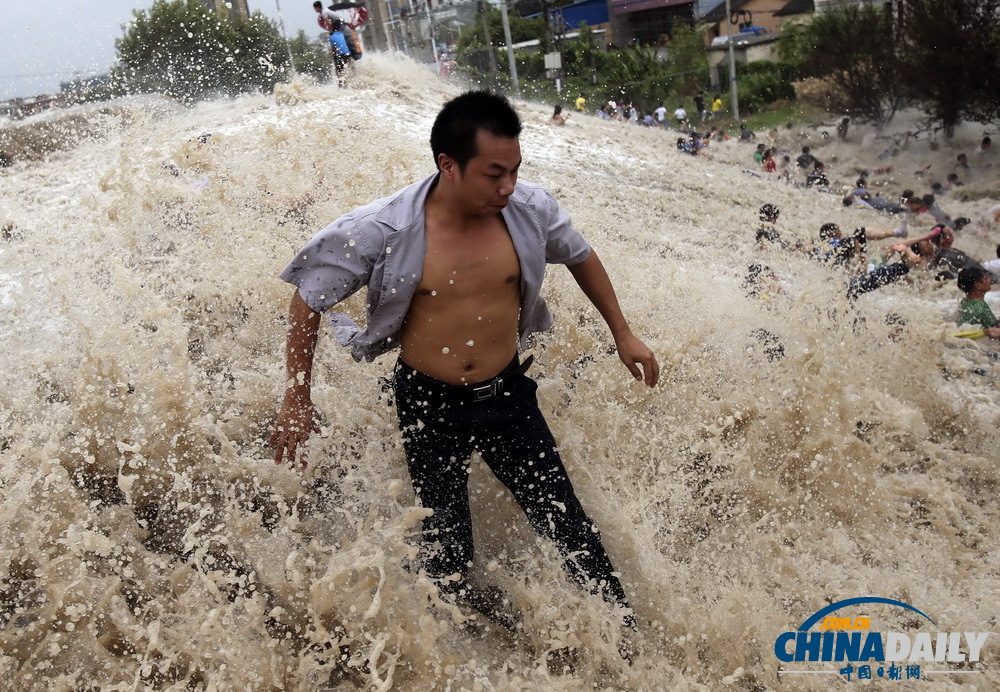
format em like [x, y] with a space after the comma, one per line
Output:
[297, 420]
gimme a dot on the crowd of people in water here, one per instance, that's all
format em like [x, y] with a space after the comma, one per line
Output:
[867, 267]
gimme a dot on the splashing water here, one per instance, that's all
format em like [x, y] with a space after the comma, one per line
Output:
[148, 542]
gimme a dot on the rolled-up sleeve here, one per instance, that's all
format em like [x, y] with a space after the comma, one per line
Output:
[564, 244]
[332, 266]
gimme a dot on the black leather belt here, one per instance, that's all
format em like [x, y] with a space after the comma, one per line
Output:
[484, 391]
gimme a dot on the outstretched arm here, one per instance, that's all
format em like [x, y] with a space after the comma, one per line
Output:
[596, 285]
[298, 418]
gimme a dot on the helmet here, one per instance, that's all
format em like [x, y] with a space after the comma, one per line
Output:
[768, 212]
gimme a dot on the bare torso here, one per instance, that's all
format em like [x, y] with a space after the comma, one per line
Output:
[461, 327]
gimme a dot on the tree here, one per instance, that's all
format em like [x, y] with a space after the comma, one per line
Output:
[183, 49]
[853, 50]
[311, 56]
[952, 58]
[688, 57]
[472, 41]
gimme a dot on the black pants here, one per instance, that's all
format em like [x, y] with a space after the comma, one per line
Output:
[340, 65]
[442, 424]
[879, 277]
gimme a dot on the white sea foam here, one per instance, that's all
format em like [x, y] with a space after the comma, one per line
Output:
[148, 542]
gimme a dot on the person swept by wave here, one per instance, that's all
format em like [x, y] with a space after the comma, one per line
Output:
[887, 273]
[767, 235]
[862, 197]
[453, 267]
[912, 206]
[975, 283]
[341, 51]
[947, 259]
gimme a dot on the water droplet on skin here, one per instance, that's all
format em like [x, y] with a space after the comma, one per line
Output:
[451, 281]
[434, 293]
[445, 350]
[470, 342]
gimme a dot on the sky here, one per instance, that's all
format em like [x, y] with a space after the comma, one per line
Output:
[44, 44]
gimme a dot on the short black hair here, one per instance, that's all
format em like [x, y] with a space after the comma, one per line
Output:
[827, 231]
[317, 4]
[455, 128]
[969, 277]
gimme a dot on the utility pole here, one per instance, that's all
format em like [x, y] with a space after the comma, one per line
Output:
[430, 30]
[510, 49]
[486, 36]
[281, 23]
[732, 63]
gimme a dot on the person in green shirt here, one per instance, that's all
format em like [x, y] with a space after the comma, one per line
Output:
[975, 282]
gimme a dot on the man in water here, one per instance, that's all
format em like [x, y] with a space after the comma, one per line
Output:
[454, 266]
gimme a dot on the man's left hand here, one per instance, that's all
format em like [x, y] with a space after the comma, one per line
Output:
[639, 359]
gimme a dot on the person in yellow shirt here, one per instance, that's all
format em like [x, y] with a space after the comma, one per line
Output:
[581, 103]
[716, 107]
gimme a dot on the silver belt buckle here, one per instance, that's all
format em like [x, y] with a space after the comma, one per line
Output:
[487, 391]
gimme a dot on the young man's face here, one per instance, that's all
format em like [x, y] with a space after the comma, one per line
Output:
[488, 180]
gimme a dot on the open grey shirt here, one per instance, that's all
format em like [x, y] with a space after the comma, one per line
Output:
[382, 246]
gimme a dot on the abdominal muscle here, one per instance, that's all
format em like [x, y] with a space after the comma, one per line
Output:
[463, 344]
[461, 327]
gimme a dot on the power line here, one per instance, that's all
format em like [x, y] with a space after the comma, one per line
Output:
[40, 74]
